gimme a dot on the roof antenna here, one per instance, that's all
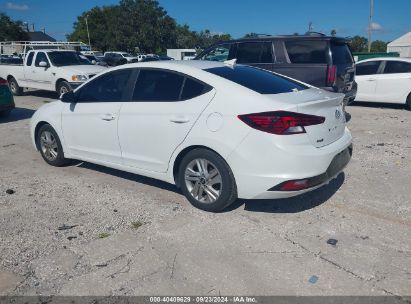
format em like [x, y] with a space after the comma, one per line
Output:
[231, 63]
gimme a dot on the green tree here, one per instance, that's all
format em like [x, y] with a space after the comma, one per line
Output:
[378, 46]
[251, 35]
[333, 32]
[11, 30]
[359, 44]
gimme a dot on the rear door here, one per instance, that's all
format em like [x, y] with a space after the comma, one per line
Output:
[164, 107]
[367, 74]
[394, 83]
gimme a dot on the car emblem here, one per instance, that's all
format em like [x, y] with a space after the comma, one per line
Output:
[337, 114]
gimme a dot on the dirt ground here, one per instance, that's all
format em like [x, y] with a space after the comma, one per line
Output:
[137, 236]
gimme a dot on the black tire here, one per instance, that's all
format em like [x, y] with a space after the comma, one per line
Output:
[409, 102]
[5, 114]
[14, 87]
[63, 87]
[227, 189]
[59, 159]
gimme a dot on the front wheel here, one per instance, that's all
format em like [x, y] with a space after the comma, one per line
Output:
[63, 87]
[206, 180]
[409, 102]
[50, 146]
[14, 87]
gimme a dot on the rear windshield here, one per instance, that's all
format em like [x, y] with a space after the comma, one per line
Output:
[258, 80]
[341, 53]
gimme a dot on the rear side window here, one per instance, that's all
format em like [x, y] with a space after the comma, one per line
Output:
[193, 88]
[30, 59]
[341, 54]
[367, 68]
[109, 87]
[254, 52]
[397, 67]
[258, 80]
[307, 51]
[158, 85]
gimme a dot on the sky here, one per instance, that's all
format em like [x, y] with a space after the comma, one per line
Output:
[237, 17]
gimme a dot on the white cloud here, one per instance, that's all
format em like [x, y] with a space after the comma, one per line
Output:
[17, 7]
[376, 27]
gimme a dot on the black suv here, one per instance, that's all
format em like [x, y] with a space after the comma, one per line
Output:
[322, 61]
[113, 59]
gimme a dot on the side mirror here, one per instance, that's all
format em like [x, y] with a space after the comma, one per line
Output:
[43, 64]
[68, 97]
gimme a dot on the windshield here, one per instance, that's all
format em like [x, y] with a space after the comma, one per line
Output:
[68, 58]
[258, 80]
[126, 55]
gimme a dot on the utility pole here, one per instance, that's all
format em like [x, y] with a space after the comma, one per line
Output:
[88, 33]
[370, 24]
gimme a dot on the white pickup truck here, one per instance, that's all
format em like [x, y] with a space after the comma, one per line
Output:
[50, 70]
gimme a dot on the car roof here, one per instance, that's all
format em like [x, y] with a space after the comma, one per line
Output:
[171, 64]
[288, 37]
[386, 59]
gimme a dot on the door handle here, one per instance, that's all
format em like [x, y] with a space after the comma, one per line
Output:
[371, 79]
[180, 120]
[108, 117]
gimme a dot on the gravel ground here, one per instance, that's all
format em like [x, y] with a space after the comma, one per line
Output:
[137, 236]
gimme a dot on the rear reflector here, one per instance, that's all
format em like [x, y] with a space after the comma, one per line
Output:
[295, 185]
[3, 82]
[281, 122]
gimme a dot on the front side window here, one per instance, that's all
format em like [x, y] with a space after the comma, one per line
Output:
[219, 53]
[258, 80]
[367, 68]
[109, 87]
[397, 67]
[254, 52]
[41, 57]
[310, 51]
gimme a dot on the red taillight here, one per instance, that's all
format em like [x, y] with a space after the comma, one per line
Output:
[3, 82]
[300, 184]
[331, 75]
[281, 122]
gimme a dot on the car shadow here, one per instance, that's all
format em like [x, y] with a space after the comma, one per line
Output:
[17, 114]
[395, 106]
[42, 94]
[289, 205]
[295, 204]
[128, 176]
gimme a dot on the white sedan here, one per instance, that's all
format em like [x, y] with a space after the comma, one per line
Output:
[384, 80]
[219, 131]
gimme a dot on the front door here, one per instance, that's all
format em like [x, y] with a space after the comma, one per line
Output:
[90, 124]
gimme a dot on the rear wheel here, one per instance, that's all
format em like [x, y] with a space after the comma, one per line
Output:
[206, 180]
[50, 147]
[14, 87]
[63, 87]
[409, 102]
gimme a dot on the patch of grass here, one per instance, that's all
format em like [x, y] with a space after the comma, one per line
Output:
[103, 235]
[136, 224]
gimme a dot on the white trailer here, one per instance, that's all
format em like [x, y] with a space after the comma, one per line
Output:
[181, 54]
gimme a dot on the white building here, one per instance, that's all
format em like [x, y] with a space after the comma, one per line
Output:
[181, 54]
[401, 45]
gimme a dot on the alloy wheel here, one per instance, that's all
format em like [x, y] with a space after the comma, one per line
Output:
[48, 145]
[203, 180]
